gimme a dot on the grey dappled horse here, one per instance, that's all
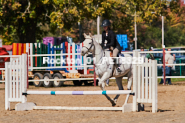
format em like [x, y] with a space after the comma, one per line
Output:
[105, 68]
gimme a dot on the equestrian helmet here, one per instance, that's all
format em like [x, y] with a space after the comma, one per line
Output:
[106, 23]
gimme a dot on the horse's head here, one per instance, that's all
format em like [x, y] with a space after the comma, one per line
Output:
[88, 44]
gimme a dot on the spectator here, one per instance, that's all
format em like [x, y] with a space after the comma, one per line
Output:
[150, 55]
[143, 54]
[169, 59]
[142, 49]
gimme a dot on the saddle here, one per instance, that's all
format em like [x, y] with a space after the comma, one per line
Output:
[118, 55]
[111, 53]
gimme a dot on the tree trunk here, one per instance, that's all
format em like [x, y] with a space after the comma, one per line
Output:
[31, 32]
[20, 31]
[27, 31]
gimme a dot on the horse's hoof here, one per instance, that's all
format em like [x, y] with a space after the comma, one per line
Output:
[113, 102]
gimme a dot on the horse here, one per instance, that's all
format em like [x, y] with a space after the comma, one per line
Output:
[105, 69]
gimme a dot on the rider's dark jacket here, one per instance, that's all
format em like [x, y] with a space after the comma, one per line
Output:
[111, 40]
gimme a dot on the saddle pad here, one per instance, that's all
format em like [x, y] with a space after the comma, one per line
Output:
[121, 55]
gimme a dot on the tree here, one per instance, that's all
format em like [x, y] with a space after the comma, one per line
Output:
[175, 36]
[23, 19]
[149, 29]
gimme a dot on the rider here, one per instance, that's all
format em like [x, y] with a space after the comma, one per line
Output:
[112, 42]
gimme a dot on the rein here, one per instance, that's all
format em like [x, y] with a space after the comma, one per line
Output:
[88, 49]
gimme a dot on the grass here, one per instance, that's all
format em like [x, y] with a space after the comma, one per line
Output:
[175, 79]
[178, 79]
[172, 80]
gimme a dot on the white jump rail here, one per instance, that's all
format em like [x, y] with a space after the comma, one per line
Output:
[144, 88]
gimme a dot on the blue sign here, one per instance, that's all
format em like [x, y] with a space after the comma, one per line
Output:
[122, 40]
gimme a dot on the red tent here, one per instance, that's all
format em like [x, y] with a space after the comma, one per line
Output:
[7, 47]
[3, 59]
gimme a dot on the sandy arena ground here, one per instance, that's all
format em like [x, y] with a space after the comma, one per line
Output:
[171, 107]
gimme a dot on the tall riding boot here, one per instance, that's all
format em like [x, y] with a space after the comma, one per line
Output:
[117, 65]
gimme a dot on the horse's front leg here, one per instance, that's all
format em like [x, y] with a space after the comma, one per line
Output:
[103, 79]
[102, 86]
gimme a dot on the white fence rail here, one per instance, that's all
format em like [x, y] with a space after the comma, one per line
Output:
[85, 66]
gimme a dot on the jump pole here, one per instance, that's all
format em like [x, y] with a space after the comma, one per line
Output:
[78, 108]
[79, 92]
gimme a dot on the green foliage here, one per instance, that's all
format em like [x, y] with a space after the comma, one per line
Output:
[26, 20]
[152, 36]
[175, 36]
[22, 19]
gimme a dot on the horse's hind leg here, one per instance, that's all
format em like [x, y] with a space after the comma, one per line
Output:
[110, 99]
[120, 86]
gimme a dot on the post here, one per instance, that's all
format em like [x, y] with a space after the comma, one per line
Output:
[73, 56]
[7, 89]
[98, 33]
[164, 76]
[180, 67]
[98, 26]
[135, 39]
[154, 86]
[94, 75]
[85, 64]
[135, 82]
[24, 76]
[27, 69]
[32, 57]
[162, 30]
[80, 29]
[1, 43]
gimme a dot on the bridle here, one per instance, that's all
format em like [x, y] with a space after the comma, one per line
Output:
[88, 49]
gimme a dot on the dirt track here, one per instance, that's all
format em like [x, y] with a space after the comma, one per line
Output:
[171, 106]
